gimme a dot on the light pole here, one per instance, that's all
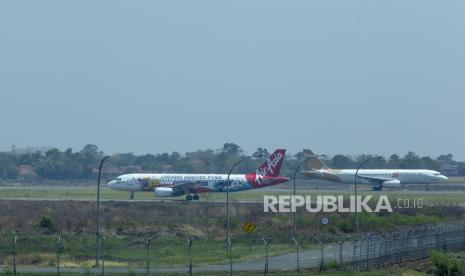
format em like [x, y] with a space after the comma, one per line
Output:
[228, 240]
[355, 192]
[294, 190]
[97, 233]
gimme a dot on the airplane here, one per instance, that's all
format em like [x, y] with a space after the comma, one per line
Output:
[173, 185]
[379, 178]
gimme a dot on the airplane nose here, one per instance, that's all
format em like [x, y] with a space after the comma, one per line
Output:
[444, 178]
[111, 184]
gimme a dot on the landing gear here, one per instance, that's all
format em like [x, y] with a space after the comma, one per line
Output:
[190, 197]
[378, 188]
[131, 196]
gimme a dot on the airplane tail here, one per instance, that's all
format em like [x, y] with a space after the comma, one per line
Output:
[314, 163]
[272, 166]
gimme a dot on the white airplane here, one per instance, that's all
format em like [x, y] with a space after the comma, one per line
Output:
[377, 177]
[169, 185]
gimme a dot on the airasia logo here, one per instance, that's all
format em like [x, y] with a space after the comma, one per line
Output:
[271, 163]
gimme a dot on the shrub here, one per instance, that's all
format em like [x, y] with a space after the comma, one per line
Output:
[330, 265]
[46, 222]
[447, 265]
[7, 272]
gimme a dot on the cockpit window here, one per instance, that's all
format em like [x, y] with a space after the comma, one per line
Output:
[118, 179]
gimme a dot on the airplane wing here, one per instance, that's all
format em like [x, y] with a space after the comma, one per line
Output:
[375, 180]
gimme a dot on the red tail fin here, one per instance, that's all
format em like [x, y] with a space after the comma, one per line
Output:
[272, 166]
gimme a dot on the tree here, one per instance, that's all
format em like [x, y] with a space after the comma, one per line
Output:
[147, 161]
[61, 165]
[175, 156]
[231, 149]
[428, 163]
[30, 158]
[262, 152]
[394, 161]
[8, 170]
[124, 159]
[376, 162]
[90, 153]
[411, 161]
[341, 162]
[446, 158]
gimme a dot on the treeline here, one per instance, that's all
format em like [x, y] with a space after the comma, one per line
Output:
[54, 164]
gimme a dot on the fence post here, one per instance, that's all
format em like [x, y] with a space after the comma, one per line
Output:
[367, 253]
[321, 248]
[380, 249]
[147, 246]
[15, 238]
[400, 250]
[341, 243]
[58, 247]
[296, 243]
[354, 254]
[390, 250]
[189, 244]
[267, 243]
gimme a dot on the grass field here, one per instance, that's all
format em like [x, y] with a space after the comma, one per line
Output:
[456, 179]
[129, 251]
[392, 272]
[89, 193]
[79, 251]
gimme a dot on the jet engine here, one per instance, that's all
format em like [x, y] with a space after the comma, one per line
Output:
[164, 191]
[392, 184]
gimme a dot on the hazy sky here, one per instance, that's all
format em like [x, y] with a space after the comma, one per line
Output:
[154, 76]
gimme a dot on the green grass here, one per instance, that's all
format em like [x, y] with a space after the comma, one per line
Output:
[393, 271]
[89, 193]
[456, 180]
[79, 251]
[280, 273]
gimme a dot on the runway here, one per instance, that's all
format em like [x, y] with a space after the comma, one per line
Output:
[88, 194]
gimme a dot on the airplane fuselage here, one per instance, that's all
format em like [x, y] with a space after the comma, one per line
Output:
[390, 177]
[200, 182]
[168, 184]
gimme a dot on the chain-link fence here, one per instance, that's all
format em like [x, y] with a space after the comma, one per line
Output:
[155, 254]
[409, 244]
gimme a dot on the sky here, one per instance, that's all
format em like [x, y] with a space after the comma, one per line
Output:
[350, 77]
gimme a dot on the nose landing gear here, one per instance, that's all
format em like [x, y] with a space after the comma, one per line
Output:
[131, 196]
